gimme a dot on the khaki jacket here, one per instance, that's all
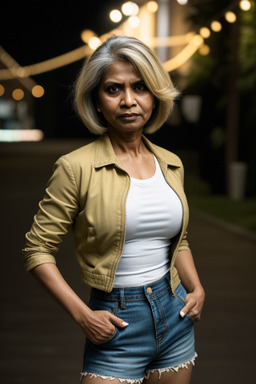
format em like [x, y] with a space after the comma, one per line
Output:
[88, 191]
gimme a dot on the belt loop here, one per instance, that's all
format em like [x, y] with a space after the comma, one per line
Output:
[122, 298]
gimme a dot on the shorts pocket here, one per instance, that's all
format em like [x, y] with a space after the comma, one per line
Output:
[181, 294]
[98, 304]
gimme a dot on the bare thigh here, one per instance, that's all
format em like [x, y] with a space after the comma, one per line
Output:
[98, 380]
[183, 376]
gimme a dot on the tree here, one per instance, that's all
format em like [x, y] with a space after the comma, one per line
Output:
[217, 78]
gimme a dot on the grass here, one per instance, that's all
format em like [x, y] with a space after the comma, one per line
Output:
[241, 213]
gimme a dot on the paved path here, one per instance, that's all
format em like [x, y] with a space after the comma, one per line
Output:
[40, 344]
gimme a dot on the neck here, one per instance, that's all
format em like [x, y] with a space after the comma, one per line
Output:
[129, 143]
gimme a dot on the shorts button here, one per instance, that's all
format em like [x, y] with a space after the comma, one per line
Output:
[149, 291]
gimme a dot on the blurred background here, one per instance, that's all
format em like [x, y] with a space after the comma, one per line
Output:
[209, 49]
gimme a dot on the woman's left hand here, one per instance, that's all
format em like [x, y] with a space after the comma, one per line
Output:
[194, 304]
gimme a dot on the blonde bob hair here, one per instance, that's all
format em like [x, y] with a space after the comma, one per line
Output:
[145, 62]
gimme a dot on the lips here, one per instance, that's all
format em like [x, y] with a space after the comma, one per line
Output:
[128, 116]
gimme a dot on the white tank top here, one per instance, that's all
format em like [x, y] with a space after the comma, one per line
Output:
[153, 218]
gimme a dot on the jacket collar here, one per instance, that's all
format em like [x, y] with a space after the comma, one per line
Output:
[105, 154]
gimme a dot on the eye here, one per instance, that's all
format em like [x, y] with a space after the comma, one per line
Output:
[113, 89]
[140, 87]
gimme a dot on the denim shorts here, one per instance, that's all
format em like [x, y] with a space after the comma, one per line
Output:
[156, 339]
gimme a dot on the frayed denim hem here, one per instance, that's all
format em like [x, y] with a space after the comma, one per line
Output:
[129, 381]
[172, 369]
[149, 372]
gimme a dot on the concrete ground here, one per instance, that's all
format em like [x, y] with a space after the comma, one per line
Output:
[41, 344]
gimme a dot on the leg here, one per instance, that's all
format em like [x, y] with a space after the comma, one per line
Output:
[183, 376]
[98, 380]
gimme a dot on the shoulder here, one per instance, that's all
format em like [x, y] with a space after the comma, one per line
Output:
[76, 163]
[82, 154]
[163, 154]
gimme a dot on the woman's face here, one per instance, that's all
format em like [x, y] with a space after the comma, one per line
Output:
[123, 98]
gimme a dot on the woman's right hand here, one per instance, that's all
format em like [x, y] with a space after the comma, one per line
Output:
[99, 326]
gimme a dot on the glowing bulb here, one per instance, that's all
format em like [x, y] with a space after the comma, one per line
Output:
[130, 8]
[86, 35]
[198, 40]
[205, 32]
[216, 26]
[182, 2]
[18, 94]
[204, 50]
[2, 90]
[94, 43]
[37, 91]
[115, 16]
[152, 6]
[230, 17]
[245, 5]
[134, 21]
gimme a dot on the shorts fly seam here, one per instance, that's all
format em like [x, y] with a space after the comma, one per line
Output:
[164, 321]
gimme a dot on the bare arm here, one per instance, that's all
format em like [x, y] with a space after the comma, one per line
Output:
[98, 326]
[188, 274]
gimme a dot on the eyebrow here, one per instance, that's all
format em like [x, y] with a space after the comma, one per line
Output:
[114, 82]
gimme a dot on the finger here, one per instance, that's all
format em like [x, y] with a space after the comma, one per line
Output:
[185, 310]
[117, 321]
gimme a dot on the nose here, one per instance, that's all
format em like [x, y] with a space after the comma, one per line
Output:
[128, 98]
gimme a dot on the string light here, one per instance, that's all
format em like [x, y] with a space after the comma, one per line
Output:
[216, 26]
[115, 16]
[205, 32]
[230, 17]
[37, 91]
[86, 35]
[16, 71]
[204, 50]
[2, 90]
[171, 41]
[152, 6]
[18, 94]
[134, 21]
[185, 54]
[94, 43]
[130, 8]
[245, 5]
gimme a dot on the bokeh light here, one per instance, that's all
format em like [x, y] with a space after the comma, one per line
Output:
[2, 90]
[115, 16]
[205, 32]
[230, 17]
[37, 91]
[130, 8]
[152, 6]
[245, 5]
[134, 21]
[204, 50]
[94, 43]
[18, 94]
[86, 35]
[216, 26]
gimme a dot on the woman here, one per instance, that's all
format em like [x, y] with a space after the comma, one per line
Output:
[124, 198]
